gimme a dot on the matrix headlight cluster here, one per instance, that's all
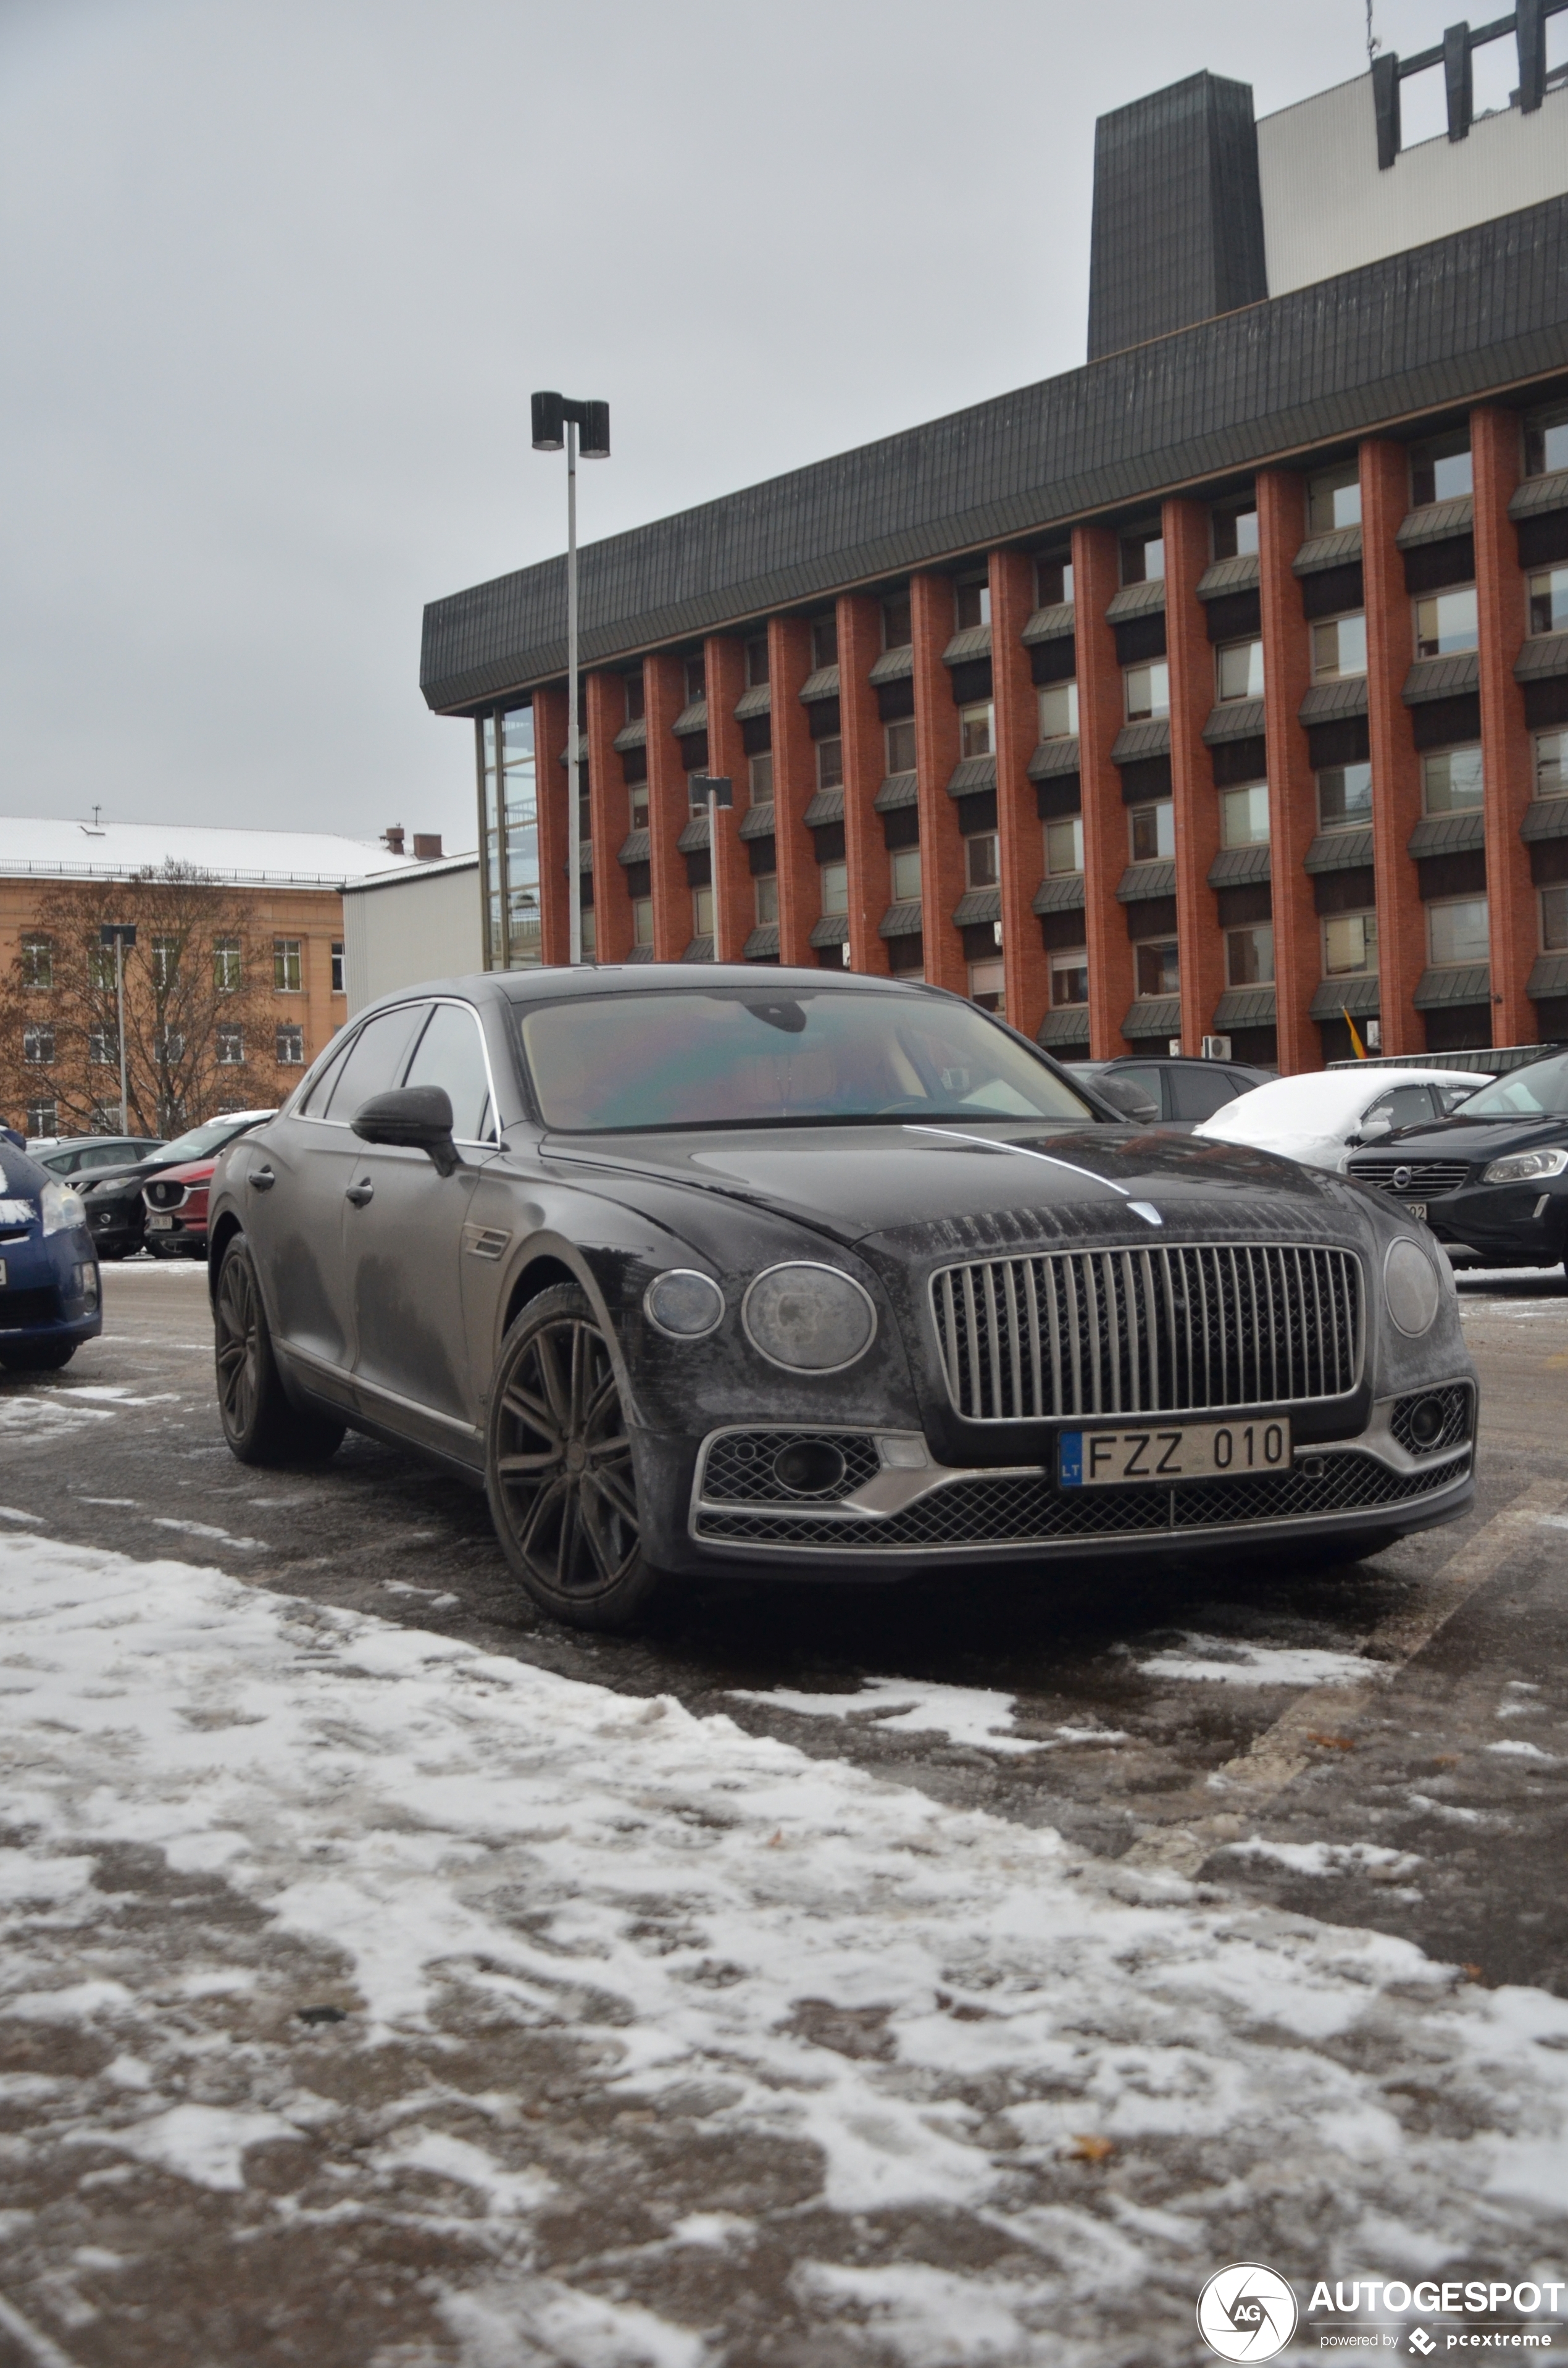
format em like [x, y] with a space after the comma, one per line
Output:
[806, 1318]
[1524, 1167]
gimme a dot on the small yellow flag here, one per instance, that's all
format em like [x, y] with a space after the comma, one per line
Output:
[1359, 1047]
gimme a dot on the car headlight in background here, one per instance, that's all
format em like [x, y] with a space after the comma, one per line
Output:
[60, 1209]
[1523, 1167]
[811, 1319]
[683, 1304]
[1412, 1288]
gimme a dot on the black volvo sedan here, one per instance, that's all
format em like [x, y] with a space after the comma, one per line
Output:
[771, 1272]
[1493, 1178]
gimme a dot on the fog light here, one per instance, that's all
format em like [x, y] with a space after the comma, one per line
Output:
[1426, 1421]
[684, 1305]
[808, 1467]
[87, 1284]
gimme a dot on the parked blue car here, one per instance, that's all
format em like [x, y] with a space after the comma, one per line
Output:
[49, 1272]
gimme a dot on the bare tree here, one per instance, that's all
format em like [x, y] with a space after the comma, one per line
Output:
[198, 1006]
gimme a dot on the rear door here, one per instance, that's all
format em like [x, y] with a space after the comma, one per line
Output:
[1196, 1093]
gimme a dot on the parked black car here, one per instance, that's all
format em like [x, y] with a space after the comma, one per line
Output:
[770, 1271]
[116, 1212]
[1491, 1180]
[1174, 1090]
[79, 1155]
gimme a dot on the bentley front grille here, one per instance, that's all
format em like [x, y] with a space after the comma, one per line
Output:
[1148, 1330]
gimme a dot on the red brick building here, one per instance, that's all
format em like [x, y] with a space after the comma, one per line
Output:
[1219, 687]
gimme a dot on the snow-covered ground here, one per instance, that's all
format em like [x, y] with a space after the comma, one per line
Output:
[452, 1946]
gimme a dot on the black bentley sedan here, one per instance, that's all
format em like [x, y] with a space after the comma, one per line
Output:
[1491, 1178]
[773, 1271]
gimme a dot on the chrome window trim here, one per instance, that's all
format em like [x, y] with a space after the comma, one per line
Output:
[307, 1084]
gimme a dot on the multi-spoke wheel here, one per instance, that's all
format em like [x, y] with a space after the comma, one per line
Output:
[259, 1424]
[558, 1467]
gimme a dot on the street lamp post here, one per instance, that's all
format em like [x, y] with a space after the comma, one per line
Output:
[720, 793]
[119, 934]
[557, 419]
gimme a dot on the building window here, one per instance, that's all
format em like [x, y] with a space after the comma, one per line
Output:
[1546, 441]
[1445, 621]
[1243, 816]
[767, 889]
[756, 661]
[898, 624]
[1345, 797]
[642, 920]
[1152, 832]
[971, 604]
[830, 764]
[289, 1046]
[988, 985]
[1052, 582]
[1440, 471]
[637, 803]
[165, 961]
[1142, 558]
[907, 876]
[634, 696]
[983, 861]
[339, 972]
[1339, 647]
[1235, 529]
[226, 965]
[899, 742]
[103, 1047]
[976, 726]
[38, 962]
[1333, 498]
[1069, 979]
[760, 782]
[1554, 920]
[1349, 945]
[590, 932]
[1456, 931]
[1552, 764]
[825, 643]
[1548, 601]
[1450, 781]
[1249, 956]
[230, 1046]
[1157, 966]
[1147, 691]
[833, 882]
[696, 680]
[703, 912]
[37, 1046]
[43, 1119]
[1064, 846]
[1058, 712]
[288, 970]
[1238, 670]
[168, 1047]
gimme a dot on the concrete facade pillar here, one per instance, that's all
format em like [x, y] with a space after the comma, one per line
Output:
[794, 786]
[1293, 787]
[1096, 581]
[664, 695]
[735, 905]
[1190, 657]
[1396, 770]
[864, 854]
[936, 755]
[1506, 753]
[1026, 963]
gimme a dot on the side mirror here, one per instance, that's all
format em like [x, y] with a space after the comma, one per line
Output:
[1125, 1096]
[417, 1117]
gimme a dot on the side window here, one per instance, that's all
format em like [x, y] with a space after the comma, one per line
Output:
[374, 1063]
[1407, 1106]
[1199, 1093]
[451, 1054]
[1147, 1082]
[315, 1101]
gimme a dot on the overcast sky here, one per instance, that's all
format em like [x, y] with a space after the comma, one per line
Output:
[277, 278]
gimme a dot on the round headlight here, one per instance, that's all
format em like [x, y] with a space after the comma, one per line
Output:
[686, 1304]
[810, 1318]
[1411, 1288]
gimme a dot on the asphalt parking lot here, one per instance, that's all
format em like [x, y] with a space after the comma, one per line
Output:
[1382, 1745]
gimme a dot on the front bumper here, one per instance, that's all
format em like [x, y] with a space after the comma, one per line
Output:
[1503, 1224]
[886, 1519]
[50, 1290]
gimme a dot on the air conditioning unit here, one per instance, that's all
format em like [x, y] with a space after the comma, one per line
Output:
[1216, 1048]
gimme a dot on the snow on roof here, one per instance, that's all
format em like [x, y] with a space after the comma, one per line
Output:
[45, 848]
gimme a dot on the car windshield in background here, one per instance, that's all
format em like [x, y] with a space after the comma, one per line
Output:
[728, 1058]
[1540, 1091]
[203, 1141]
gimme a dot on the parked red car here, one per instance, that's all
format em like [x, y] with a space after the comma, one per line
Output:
[176, 1202]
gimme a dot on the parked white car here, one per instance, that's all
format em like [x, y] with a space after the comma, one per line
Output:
[1321, 1116]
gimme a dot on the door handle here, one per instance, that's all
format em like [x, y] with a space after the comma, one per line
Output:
[361, 1192]
[262, 1178]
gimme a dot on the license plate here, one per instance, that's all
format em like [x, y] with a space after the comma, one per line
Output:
[1191, 1450]
[1414, 1208]
[161, 1224]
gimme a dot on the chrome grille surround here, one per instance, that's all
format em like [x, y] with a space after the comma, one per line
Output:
[1425, 1178]
[1176, 1329]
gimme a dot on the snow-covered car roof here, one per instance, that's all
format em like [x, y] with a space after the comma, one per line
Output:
[1317, 1102]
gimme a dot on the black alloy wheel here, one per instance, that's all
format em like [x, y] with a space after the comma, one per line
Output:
[259, 1423]
[558, 1467]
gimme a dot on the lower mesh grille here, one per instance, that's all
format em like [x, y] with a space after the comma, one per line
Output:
[1458, 1419]
[1024, 1509]
[739, 1469]
[18, 1308]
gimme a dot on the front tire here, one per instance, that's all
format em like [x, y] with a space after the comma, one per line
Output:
[259, 1424]
[558, 1467]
